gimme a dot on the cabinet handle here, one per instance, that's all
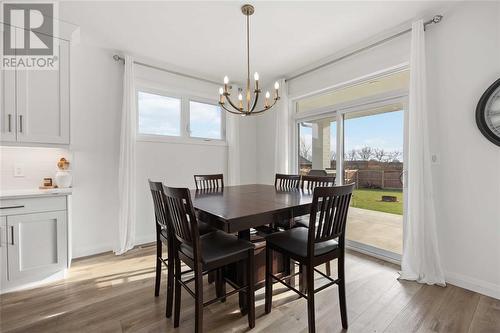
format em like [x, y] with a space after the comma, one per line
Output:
[20, 123]
[10, 207]
[12, 235]
[10, 122]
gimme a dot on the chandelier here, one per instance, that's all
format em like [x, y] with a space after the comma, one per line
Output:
[246, 105]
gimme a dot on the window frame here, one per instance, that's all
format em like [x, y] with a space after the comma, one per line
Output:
[185, 134]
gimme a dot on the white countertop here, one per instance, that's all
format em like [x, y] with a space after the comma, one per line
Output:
[34, 192]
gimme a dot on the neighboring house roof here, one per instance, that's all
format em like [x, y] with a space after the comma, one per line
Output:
[303, 160]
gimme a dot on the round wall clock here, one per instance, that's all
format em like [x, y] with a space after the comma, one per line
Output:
[488, 113]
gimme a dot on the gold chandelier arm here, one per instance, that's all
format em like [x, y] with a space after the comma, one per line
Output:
[254, 104]
[230, 111]
[231, 103]
[265, 109]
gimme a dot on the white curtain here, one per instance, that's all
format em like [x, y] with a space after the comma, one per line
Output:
[282, 132]
[420, 260]
[233, 149]
[126, 168]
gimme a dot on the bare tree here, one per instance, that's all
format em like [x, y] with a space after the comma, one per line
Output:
[333, 155]
[351, 155]
[305, 150]
[379, 154]
[365, 153]
[395, 156]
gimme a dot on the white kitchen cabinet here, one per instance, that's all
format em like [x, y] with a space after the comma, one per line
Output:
[3, 249]
[34, 234]
[7, 104]
[36, 245]
[36, 102]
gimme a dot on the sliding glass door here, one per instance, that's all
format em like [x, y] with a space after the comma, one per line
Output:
[372, 139]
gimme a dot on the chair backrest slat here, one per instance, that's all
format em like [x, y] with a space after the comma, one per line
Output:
[182, 217]
[328, 216]
[209, 182]
[159, 204]
[311, 182]
[286, 182]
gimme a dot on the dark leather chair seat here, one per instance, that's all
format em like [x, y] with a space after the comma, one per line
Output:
[217, 247]
[295, 241]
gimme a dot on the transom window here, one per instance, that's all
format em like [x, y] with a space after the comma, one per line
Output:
[159, 115]
[171, 117]
[205, 120]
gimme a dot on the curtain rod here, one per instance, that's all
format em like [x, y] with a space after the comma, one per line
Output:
[436, 19]
[116, 57]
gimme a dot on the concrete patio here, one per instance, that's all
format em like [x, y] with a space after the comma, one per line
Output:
[378, 229]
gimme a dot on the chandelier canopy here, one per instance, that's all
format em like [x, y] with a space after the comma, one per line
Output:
[246, 106]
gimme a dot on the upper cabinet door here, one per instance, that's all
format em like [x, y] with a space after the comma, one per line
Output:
[43, 107]
[7, 103]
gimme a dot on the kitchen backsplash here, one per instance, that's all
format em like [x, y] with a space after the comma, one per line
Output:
[34, 163]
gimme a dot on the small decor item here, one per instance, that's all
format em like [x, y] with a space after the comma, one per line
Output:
[63, 175]
[47, 184]
[488, 113]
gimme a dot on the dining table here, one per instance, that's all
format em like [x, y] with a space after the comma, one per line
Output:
[243, 209]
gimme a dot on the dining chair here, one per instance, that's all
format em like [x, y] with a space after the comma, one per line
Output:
[209, 182]
[323, 241]
[286, 182]
[204, 253]
[309, 183]
[162, 238]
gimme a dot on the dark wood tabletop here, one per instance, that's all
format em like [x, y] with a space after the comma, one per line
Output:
[239, 208]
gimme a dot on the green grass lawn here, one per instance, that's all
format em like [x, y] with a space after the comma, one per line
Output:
[372, 200]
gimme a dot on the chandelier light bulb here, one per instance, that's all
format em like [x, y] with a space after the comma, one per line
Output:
[226, 80]
[256, 76]
[221, 91]
[276, 85]
[240, 97]
[268, 94]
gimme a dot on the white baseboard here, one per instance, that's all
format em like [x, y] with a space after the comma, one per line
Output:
[91, 250]
[145, 239]
[479, 286]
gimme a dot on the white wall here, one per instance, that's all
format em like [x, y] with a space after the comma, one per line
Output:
[463, 55]
[463, 60]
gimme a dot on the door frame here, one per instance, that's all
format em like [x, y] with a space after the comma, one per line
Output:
[340, 110]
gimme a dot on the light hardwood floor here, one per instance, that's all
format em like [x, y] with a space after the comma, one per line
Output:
[106, 293]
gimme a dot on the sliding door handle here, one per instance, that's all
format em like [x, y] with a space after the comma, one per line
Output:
[20, 123]
[10, 122]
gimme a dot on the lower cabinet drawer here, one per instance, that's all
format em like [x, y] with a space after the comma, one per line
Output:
[32, 205]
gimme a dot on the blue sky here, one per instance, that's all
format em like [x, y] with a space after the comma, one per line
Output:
[383, 131]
